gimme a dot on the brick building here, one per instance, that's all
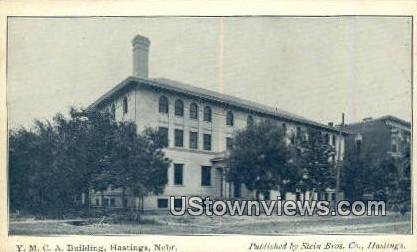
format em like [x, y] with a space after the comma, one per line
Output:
[375, 138]
[199, 125]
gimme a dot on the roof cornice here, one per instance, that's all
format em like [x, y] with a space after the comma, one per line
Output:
[134, 81]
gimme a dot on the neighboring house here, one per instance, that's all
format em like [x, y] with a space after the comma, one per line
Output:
[375, 139]
[379, 137]
[199, 125]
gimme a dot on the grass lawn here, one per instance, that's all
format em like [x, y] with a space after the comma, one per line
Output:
[167, 224]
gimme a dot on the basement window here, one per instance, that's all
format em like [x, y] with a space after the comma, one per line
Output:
[162, 203]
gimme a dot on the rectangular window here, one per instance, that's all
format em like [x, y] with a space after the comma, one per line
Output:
[207, 141]
[333, 140]
[292, 139]
[298, 132]
[206, 175]
[229, 143]
[112, 202]
[97, 202]
[394, 147]
[178, 174]
[179, 138]
[106, 202]
[358, 146]
[193, 140]
[284, 128]
[125, 105]
[326, 138]
[163, 134]
[162, 203]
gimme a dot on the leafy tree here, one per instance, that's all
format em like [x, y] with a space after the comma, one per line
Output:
[399, 192]
[315, 157]
[52, 164]
[386, 178]
[354, 176]
[260, 158]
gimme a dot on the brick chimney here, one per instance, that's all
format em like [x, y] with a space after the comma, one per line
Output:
[140, 56]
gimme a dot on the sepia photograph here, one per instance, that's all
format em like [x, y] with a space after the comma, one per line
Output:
[236, 125]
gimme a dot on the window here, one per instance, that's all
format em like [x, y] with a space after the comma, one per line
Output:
[358, 146]
[162, 203]
[113, 111]
[207, 141]
[326, 138]
[179, 108]
[163, 104]
[112, 202]
[292, 139]
[284, 128]
[125, 105]
[229, 143]
[206, 175]
[207, 114]
[179, 138]
[333, 140]
[249, 121]
[394, 147]
[193, 140]
[97, 202]
[229, 118]
[106, 202]
[163, 134]
[178, 174]
[193, 111]
[298, 132]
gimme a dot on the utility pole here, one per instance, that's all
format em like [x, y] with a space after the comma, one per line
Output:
[338, 160]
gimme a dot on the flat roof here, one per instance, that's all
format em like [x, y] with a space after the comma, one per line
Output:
[382, 118]
[201, 93]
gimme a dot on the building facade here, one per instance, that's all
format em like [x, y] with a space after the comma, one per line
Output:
[379, 137]
[199, 125]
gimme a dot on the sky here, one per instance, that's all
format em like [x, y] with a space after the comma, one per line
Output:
[317, 68]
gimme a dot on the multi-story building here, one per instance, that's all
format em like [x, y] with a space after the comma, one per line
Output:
[199, 125]
[379, 137]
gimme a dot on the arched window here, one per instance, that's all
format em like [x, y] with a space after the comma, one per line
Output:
[229, 118]
[207, 114]
[163, 104]
[193, 111]
[250, 121]
[179, 108]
